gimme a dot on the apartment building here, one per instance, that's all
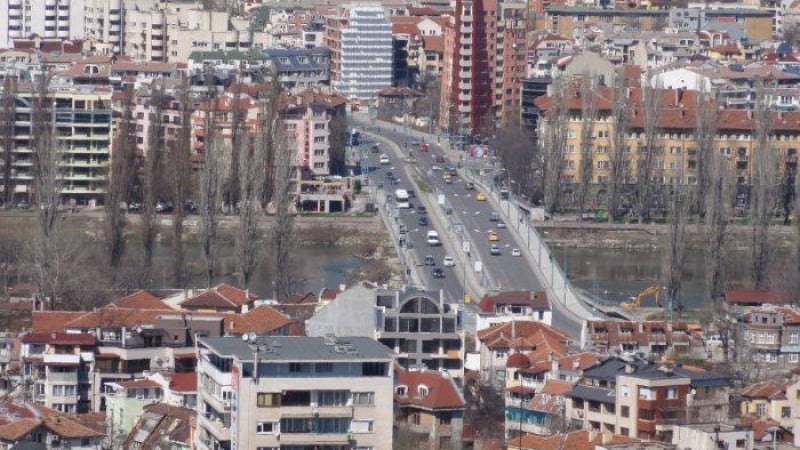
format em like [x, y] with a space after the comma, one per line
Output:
[171, 31]
[564, 20]
[650, 338]
[162, 422]
[62, 19]
[677, 121]
[506, 306]
[126, 400]
[638, 398]
[360, 39]
[301, 68]
[712, 437]
[82, 132]
[267, 392]
[771, 338]
[307, 118]
[59, 366]
[423, 329]
[769, 400]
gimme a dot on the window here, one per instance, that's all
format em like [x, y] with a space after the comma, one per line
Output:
[624, 431]
[299, 368]
[625, 411]
[602, 164]
[363, 398]
[264, 427]
[761, 410]
[332, 398]
[786, 412]
[625, 391]
[646, 393]
[323, 367]
[362, 426]
[794, 337]
[794, 358]
[672, 393]
[267, 400]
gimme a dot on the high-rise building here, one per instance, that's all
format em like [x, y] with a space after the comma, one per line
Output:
[61, 19]
[360, 39]
[294, 392]
[484, 48]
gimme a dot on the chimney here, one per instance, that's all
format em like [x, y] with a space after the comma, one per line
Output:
[554, 369]
[576, 364]
[550, 356]
[607, 438]
[629, 368]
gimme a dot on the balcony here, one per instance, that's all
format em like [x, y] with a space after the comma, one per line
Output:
[220, 377]
[464, 97]
[319, 411]
[68, 399]
[62, 378]
[315, 438]
[464, 86]
[215, 426]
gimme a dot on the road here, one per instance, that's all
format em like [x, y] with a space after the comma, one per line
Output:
[503, 272]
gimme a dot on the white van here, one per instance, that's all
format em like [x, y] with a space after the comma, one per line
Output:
[433, 238]
[384, 159]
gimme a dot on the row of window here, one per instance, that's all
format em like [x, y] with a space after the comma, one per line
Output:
[328, 398]
[318, 425]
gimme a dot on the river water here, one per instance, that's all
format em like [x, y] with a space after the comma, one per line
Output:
[316, 267]
[615, 275]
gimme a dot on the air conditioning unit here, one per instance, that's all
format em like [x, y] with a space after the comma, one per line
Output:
[226, 404]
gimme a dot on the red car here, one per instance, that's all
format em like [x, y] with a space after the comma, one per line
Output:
[423, 147]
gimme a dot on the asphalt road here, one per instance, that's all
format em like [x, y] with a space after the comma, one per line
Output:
[503, 272]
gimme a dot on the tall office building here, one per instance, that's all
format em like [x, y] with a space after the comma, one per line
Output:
[360, 39]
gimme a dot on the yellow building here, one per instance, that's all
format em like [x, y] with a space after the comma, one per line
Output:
[767, 400]
[678, 160]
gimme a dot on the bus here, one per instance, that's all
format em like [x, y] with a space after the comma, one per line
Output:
[401, 198]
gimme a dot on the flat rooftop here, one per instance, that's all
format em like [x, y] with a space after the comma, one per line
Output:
[300, 348]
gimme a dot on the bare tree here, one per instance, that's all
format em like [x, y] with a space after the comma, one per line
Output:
[211, 179]
[651, 105]
[153, 161]
[717, 208]
[338, 143]
[588, 118]
[282, 233]
[676, 254]
[46, 158]
[232, 186]
[618, 157]
[764, 179]
[251, 174]
[8, 113]
[122, 163]
[271, 130]
[179, 176]
[555, 143]
[705, 132]
[522, 158]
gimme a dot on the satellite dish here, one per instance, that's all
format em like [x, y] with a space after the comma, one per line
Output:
[245, 337]
[252, 336]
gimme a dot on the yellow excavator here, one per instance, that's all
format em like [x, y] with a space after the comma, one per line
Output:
[635, 302]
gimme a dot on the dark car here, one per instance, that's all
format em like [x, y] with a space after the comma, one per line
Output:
[411, 193]
[439, 159]
[429, 261]
[421, 210]
[389, 174]
[453, 172]
[469, 186]
[438, 273]
[423, 221]
[190, 207]
[164, 207]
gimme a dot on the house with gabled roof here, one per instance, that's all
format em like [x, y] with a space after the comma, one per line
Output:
[506, 306]
[25, 425]
[767, 400]
[431, 404]
[160, 423]
[222, 298]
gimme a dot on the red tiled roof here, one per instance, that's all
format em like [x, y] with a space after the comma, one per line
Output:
[537, 301]
[328, 294]
[755, 297]
[425, 10]
[520, 390]
[53, 321]
[110, 317]
[82, 339]
[141, 300]
[183, 381]
[518, 361]
[18, 429]
[433, 43]
[520, 329]
[771, 390]
[442, 392]
[262, 320]
[576, 440]
[726, 49]
[220, 296]
[298, 299]
[583, 361]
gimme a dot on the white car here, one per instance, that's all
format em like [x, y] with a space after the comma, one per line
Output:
[384, 159]
[449, 261]
[515, 252]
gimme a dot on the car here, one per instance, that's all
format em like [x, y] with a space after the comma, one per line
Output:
[423, 148]
[413, 142]
[469, 186]
[411, 193]
[439, 159]
[447, 178]
[493, 236]
[453, 172]
[429, 261]
[421, 210]
[515, 252]
[480, 196]
[191, 207]
[389, 174]
[394, 181]
[438, 273]
[423, 221]
[375, 149]
[494, 250]
[23, 204]
[501, 224]
[384, 159]
[494, 216]
[164, 207]
[449, 261]
[134, 207]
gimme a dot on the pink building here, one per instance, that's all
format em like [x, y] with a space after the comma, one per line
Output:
[307, 118]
